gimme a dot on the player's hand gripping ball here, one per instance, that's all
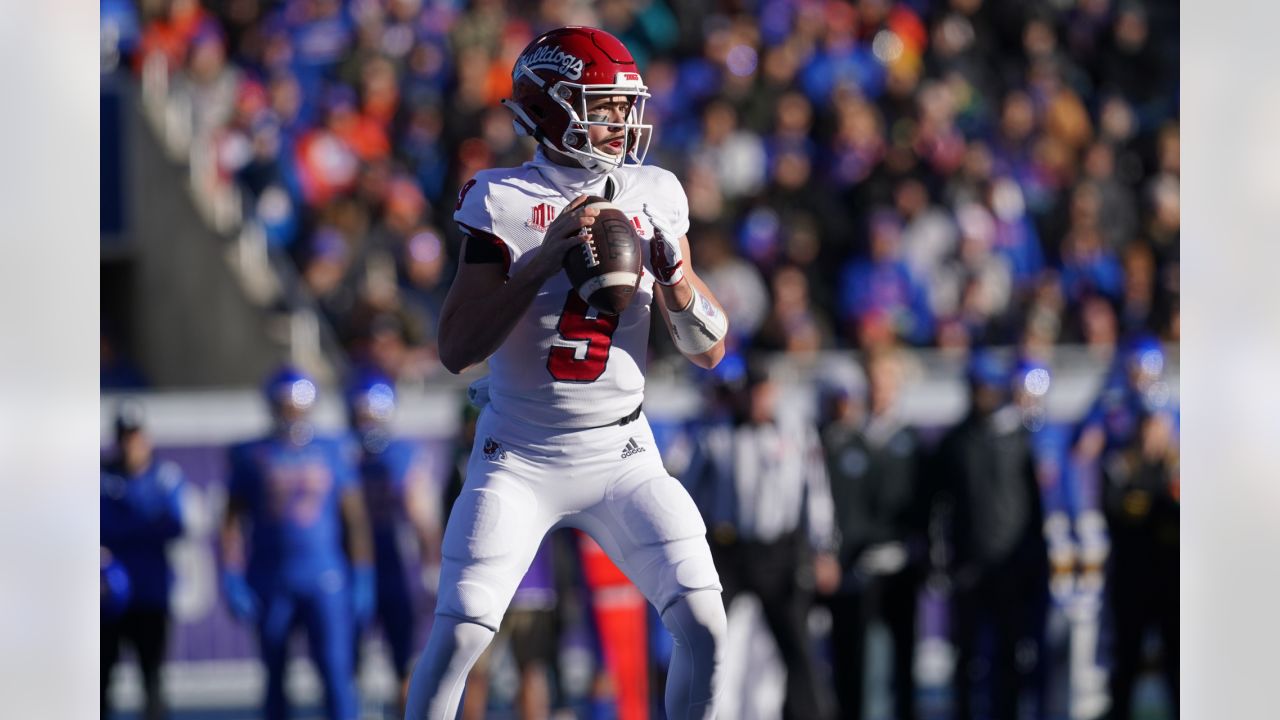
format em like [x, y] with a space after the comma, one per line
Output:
[605, 267]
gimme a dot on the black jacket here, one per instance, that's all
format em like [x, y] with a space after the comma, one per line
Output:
[876, 488]
[985, 489]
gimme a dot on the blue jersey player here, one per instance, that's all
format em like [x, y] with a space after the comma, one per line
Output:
[140, 513]
[401, 501]
[296, 546]
[1135, 383]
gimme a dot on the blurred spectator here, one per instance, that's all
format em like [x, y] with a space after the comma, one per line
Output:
[884, 285]
[1096, 327]
[325, 271]
[362, 133]
[997, 560]
[938, 143]
[207, 86]
[327, 163]
[320, 34]
[1128, 62]
[760, 481]
[382, 331]
[874, 462]
[858, 144]
[1140, 311]
[168, 36]
[736, 157]
[929, 233]
[401, 499]
[1015, 234]
[735, 283]
[141, 512]
[1088, 267]
[296, 547]
[120, 33]
[971, 290]
[794, 325]
[1165, 224]
[1118, 208]
[1141, 501]
[1042, 318]
[424, 271]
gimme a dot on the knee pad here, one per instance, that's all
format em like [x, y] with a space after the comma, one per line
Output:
[689, 571]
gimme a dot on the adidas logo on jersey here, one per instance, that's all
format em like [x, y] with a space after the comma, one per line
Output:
[631, 448]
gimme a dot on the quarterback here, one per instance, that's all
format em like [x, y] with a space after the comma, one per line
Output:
[562, 440]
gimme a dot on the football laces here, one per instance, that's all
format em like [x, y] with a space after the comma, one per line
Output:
[589, 253]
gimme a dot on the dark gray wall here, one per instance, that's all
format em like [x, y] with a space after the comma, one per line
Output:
[193, 325]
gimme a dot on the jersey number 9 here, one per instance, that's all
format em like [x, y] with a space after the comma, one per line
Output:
[575, 325]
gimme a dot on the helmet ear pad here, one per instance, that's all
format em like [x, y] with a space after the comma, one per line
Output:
[537, 114]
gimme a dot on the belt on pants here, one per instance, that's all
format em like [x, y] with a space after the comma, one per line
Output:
[628, 418]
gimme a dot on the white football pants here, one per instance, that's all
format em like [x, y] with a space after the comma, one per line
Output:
[524, 481]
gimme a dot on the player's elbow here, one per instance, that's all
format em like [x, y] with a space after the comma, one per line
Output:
[709, 359]
[452, 352]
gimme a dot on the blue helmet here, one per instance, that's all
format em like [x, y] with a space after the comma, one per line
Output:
[289, 386]
[1144, 354]
[130, 417]
[373, 394]
[987, 369]
[1032, 377]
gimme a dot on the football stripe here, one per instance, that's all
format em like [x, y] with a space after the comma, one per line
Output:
[611, 279]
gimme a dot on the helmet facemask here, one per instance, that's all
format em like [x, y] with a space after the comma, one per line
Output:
[573, 99]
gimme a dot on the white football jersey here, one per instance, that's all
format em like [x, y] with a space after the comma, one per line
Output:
[564, 365]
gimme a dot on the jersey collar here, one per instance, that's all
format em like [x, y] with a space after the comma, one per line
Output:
[570, 182]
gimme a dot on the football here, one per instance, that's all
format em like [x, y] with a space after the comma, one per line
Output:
[605, 267]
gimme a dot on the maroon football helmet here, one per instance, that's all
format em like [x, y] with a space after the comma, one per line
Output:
[558, 75]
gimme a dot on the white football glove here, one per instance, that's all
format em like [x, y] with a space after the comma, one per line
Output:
[665, 258]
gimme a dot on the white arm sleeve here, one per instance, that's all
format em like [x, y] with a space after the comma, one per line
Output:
[698, 327]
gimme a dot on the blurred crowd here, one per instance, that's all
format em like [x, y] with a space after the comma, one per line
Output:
[922, 173]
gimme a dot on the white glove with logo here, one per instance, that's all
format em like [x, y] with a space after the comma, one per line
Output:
[665, 259]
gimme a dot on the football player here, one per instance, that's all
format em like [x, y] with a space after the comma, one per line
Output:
[1135, 381]
[399, 494]
[562, 441]
[292, 500]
